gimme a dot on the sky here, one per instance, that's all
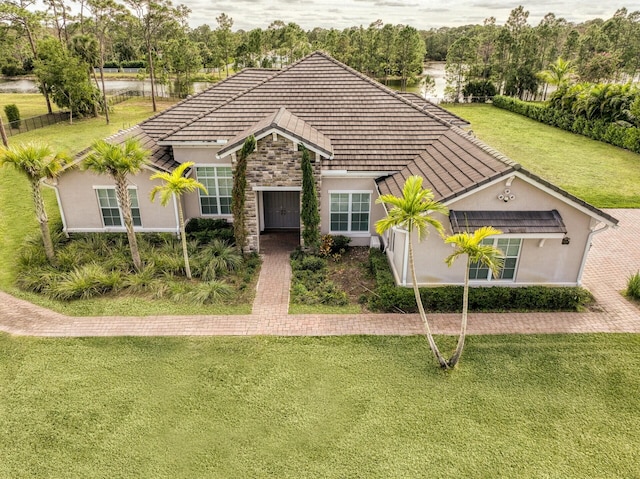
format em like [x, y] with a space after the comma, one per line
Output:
[421, 14]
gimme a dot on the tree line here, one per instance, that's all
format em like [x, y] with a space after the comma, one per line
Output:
[517, 59]
[66, 41]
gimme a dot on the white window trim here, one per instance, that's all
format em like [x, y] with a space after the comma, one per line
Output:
[194, 170]
[490, 277]
[123, 227]
[355, 234]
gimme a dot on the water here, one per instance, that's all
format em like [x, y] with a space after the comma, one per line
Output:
[434, 69]
[111, 86]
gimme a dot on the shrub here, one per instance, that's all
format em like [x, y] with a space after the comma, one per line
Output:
[206, 230]
[448, 299]
[633, 286]
[111, 64]
[479, 90]
[13, 115]
[310, 284]
[85, 282]
[132, 64]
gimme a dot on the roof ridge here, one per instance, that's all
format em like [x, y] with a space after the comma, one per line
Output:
[382, 87]
[230, 99]
[483, 146]
[191, 97]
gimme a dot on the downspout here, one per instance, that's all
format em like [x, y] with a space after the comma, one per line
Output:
[405, 258]
[586, 251]
[175, 210]
[54, 185]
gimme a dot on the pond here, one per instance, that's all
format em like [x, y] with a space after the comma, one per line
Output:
[434, 69]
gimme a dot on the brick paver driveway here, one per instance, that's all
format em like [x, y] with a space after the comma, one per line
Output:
[615, 254]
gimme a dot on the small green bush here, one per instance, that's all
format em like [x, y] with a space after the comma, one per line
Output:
[205, 230]
[448, 299]
[310, 283]
[13, 115]
[633, 286]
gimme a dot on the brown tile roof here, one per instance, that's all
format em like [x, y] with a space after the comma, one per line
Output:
[514, 222]
[287, 123]
[370, 126]
[436, 110]
[450, 166]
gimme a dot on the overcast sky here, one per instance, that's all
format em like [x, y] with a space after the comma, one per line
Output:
[422, 14]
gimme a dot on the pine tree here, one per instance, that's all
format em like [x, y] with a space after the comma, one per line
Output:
[310, 216]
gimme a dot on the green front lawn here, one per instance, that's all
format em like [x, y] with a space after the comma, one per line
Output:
[519, 406]
[601, 174]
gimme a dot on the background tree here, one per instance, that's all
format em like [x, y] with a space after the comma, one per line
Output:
[410, 51]
[460, 57]
[66, 78]
[120, 161]
[37, 162]
[225, 38]
[310, 216]
[239, 193]
[174, 186]
[471, 246]
[412, 211]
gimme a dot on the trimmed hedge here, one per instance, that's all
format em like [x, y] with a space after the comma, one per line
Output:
[448, 299]
[627, 137]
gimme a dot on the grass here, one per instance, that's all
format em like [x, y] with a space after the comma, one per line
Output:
[29, 104]
[601, 174]
[518, 406]
[17, 220]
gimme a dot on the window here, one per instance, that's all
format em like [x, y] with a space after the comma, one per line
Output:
[510, 248]
[350, 211]
[218, 181]
[110, 208]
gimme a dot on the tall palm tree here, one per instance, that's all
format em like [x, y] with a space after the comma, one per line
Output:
[37, 162]
[470, 244]
[119, 161]
[175, 185]
[412, 211]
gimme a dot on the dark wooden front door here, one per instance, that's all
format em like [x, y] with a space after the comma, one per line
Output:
[281, 209]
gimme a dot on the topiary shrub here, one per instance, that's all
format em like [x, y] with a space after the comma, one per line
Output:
[13, 115]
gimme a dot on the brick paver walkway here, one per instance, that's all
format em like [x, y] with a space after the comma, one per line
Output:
[615, 254]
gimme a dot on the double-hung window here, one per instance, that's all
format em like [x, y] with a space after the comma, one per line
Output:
[350, 211]
[110, 208]
[510, 248]
[218, 180]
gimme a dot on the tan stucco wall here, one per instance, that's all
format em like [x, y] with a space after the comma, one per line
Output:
[81, 210]
[552, 263]
[350, 184]
[200, 156]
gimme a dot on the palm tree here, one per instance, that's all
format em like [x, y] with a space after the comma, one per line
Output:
[119, 161]
[559, 73]
[412, 212]
[470, 244]
[37, 162]
[175, 185]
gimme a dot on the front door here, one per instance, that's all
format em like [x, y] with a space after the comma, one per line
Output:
[281, 209]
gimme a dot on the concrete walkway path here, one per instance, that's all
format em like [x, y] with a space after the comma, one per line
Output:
[614, 256]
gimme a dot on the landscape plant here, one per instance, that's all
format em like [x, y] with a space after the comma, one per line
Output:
[119, 161]
[37, 162]
[633, 286]
[413, 211]
[309, 215]
[239, 193]
[470, 245]
[174, 186]
[13, 115]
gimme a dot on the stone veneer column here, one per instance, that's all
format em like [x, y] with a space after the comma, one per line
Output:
[275, 163]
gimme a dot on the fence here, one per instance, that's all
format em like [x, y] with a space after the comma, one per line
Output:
[35, 122]
[121, 96]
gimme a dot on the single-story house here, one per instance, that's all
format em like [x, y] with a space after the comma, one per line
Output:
[365, 140]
